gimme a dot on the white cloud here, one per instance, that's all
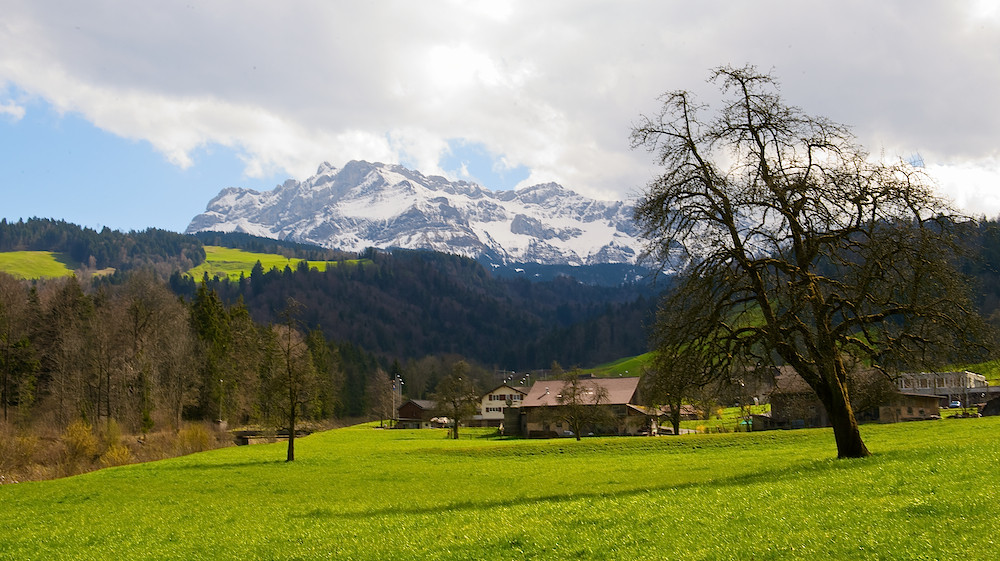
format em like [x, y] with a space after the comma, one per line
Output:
[973, 186]
[12, 110]
[553, 86]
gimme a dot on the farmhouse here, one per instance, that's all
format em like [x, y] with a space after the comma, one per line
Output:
[495, 402]
[416, 414]
[794, 404]
[619, 409]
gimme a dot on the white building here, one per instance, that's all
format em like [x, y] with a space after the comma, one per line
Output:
[495, 401]
[967, 387]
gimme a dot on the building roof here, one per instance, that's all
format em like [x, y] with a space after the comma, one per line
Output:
[788, 381]
[621, 391]
[519, 389]
[424, 404]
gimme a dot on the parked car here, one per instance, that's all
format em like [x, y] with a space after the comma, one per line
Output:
[955, 404]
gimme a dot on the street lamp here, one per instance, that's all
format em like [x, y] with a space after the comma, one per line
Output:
[397, 387]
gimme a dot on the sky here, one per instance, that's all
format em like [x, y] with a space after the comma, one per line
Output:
[135, 114]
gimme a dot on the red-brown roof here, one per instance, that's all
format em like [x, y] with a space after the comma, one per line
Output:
[621, 391]
[519, 389]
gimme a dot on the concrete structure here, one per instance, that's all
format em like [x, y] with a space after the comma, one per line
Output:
[967, 387]
[909, 407]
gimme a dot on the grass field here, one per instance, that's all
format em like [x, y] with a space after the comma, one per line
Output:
[224, 261]
[628, 366]
[929, 492]
[36, 264]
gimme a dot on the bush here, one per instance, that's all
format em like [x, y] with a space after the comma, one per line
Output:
[16, 452]
[193, 438]
[112, 434]
[116, 455]
[79, 442]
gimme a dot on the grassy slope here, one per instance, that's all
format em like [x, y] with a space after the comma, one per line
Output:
[628, 366]
[224, 261]
[360, 493]
[36, 264]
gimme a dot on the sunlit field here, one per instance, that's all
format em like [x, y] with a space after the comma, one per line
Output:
[929, 492]
[228, 262]
[36, 264]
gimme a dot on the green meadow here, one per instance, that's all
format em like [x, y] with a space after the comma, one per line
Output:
[36, 264]
[929, 492]
[628, 366]
[228, 262]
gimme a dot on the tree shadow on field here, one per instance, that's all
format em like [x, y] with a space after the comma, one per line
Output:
[65, 260]
[773, 474]
[221, 465]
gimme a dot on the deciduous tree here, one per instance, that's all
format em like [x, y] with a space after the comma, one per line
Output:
[793, 244]
[579, 403]
[456, 396]
[298, 377]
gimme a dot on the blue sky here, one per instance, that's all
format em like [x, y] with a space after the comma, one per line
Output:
[62, 166]
[134, 115]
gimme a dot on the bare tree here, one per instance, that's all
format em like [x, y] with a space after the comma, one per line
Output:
[793, 244]
[298, 374]
[456, 396]
[579, 403]
[675, 375]
[379, 395]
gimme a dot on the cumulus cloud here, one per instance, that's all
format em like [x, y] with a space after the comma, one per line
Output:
[12, 110]
[551, 86]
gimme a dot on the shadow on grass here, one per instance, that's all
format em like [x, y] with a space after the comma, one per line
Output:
[776, 473]
[221, 465]
[66, 260]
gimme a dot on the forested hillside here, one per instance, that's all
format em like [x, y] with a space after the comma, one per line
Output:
[151, 248]
[409, 304]
[131, 350]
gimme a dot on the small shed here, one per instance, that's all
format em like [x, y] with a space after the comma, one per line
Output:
[416, 414]
[909, 407]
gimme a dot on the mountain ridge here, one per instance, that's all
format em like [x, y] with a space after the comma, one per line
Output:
[387, 206]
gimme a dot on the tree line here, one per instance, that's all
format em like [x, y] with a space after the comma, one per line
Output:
[154, 248]
[410, 304]
[139, 356]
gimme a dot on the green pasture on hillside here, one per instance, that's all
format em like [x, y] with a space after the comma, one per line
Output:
[628, 366]
[225, 261]
[36, 264]
[929, 492]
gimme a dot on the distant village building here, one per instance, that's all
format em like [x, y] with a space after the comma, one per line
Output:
[966, 387]
[416, 414]
[622, 411]
[495, 403]
[794, 403]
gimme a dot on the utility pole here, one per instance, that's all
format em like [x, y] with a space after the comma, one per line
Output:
[397, 389]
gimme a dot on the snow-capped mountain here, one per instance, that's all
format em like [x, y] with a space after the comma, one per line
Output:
[377, 205]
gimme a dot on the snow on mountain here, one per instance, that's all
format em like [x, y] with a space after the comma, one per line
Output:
[377, 205]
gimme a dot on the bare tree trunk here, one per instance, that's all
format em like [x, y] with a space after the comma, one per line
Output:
[291, 439]
[675, 415]
[845, 426]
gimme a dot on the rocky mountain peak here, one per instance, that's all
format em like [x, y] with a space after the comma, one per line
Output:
[368, 204]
